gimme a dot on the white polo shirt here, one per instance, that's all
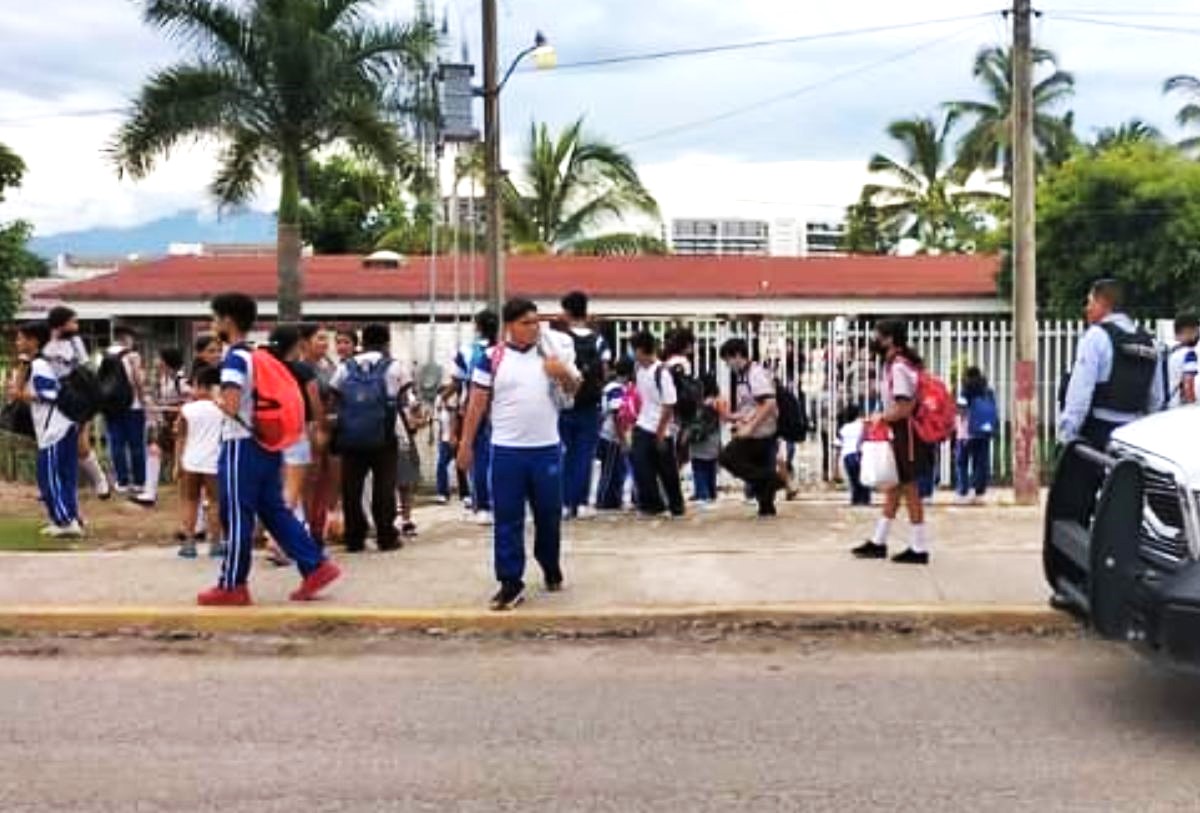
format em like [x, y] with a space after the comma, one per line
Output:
[656, 391]
[524, 415]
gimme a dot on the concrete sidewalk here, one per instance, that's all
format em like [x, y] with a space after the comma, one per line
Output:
[985, 559]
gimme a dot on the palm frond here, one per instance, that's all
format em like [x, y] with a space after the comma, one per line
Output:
[218, 30]
[1182, 82]
[184, 101]
[238, 175]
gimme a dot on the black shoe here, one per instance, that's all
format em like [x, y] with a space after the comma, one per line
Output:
[508, 597]
[870, 550]
[390, 546]
[911, 557]
[768, 512]
[554, 582]
[359, 548]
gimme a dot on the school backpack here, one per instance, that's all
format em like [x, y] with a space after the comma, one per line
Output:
[936, 411]
[591, 368]
[689, 394]
[366, 415]
[114, 388]
[983, 417]
[79, 395]
[278, 403]
[793, 422]
[707, 424]
[631, 406]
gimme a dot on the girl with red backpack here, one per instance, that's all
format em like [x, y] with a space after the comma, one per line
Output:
[900, 389]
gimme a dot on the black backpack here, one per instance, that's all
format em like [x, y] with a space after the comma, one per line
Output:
[591, 368]
[79, 395]
[1136, 361]
[114, 388]
[792, 424]
[689, 394]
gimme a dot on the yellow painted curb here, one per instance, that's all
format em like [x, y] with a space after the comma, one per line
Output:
[61, 619]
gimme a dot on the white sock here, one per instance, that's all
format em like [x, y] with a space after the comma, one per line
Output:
[153, 470]
[94, 472]
[202, 518]
[882, 528]
[920, 538]
[298, 513]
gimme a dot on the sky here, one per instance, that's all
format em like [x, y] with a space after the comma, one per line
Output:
[702, 138]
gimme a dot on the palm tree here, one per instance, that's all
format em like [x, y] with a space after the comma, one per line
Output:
[273, 81]
[925, 200]
[1189, 114]
[1134, 131]
[573, 184]
[988, 145]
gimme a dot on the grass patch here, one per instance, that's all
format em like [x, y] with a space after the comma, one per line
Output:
[24, 534]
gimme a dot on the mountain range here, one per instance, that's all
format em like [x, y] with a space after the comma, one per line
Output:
[188, 226]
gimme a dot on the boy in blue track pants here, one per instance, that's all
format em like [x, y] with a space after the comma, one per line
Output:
[57, 435]
[249, 476]
[517, 380]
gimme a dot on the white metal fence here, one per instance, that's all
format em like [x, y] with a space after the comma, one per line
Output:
[828, 358]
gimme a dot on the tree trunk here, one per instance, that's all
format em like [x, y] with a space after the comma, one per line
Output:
[291, 280]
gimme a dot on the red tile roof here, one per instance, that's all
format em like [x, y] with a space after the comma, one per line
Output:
[673, 277]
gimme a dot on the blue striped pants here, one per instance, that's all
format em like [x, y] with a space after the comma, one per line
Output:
[58, 478]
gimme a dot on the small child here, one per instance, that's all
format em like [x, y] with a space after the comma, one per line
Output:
[850, 435]
[199, 436]
[613, 450]
[706, 443]
[57, 435]
[409, 420]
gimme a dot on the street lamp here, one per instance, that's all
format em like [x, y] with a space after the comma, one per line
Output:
[544, 57]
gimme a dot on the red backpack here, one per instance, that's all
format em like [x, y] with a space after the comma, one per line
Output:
[936, 411]
[278, 403]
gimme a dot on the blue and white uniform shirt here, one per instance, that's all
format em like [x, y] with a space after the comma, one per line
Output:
[49, 425]
[237, 370]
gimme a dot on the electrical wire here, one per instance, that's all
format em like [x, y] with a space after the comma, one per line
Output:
[1160, 29]
[1110, 13]
[800, 91]
[753, 44]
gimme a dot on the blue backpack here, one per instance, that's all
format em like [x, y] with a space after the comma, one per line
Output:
[983, 418]
[366, 418]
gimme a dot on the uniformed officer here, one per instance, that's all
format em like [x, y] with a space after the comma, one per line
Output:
[1117, 374]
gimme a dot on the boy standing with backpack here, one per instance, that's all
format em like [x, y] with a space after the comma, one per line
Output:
[67, 354]
[655, 467]
[122, 394]
[250, 474]
[56, 434]
[367, 387]
[579, 426]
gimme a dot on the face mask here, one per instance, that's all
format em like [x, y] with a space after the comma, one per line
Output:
[877, 348]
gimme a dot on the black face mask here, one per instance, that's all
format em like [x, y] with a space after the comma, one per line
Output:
[877, 349]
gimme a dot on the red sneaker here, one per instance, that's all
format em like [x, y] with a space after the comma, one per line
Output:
[220, 597]
[325, 574]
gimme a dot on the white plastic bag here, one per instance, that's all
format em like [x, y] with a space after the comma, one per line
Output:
[879, 465]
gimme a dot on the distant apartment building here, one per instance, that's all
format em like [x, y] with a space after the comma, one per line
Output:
[781, 237]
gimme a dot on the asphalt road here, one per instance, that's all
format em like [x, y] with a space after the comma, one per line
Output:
[1038, 726]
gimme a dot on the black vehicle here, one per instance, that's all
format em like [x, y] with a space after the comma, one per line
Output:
[1128, 560]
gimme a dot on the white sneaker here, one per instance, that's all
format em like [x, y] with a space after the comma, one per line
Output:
[483, 518]
[72, 531]
[586, 512]
[962, 499]
[442, 500]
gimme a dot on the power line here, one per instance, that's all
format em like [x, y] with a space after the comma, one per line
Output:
[767, 43]
[800, 91]
[1160, 29]
[1110, 13]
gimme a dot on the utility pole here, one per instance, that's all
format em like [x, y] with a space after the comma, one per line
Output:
[1026, 474]
[491, 141]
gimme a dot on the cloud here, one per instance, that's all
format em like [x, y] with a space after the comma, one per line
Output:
[63, 55]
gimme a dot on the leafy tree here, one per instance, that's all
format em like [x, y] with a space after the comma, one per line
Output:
[988, 145]
[621, 244]
[573, 185]
[274, 81]
[1130, 212]
[348, 205]
[1189, 114]
[1134, 131]
[17, 263]
[925, 199]
[865, 233]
